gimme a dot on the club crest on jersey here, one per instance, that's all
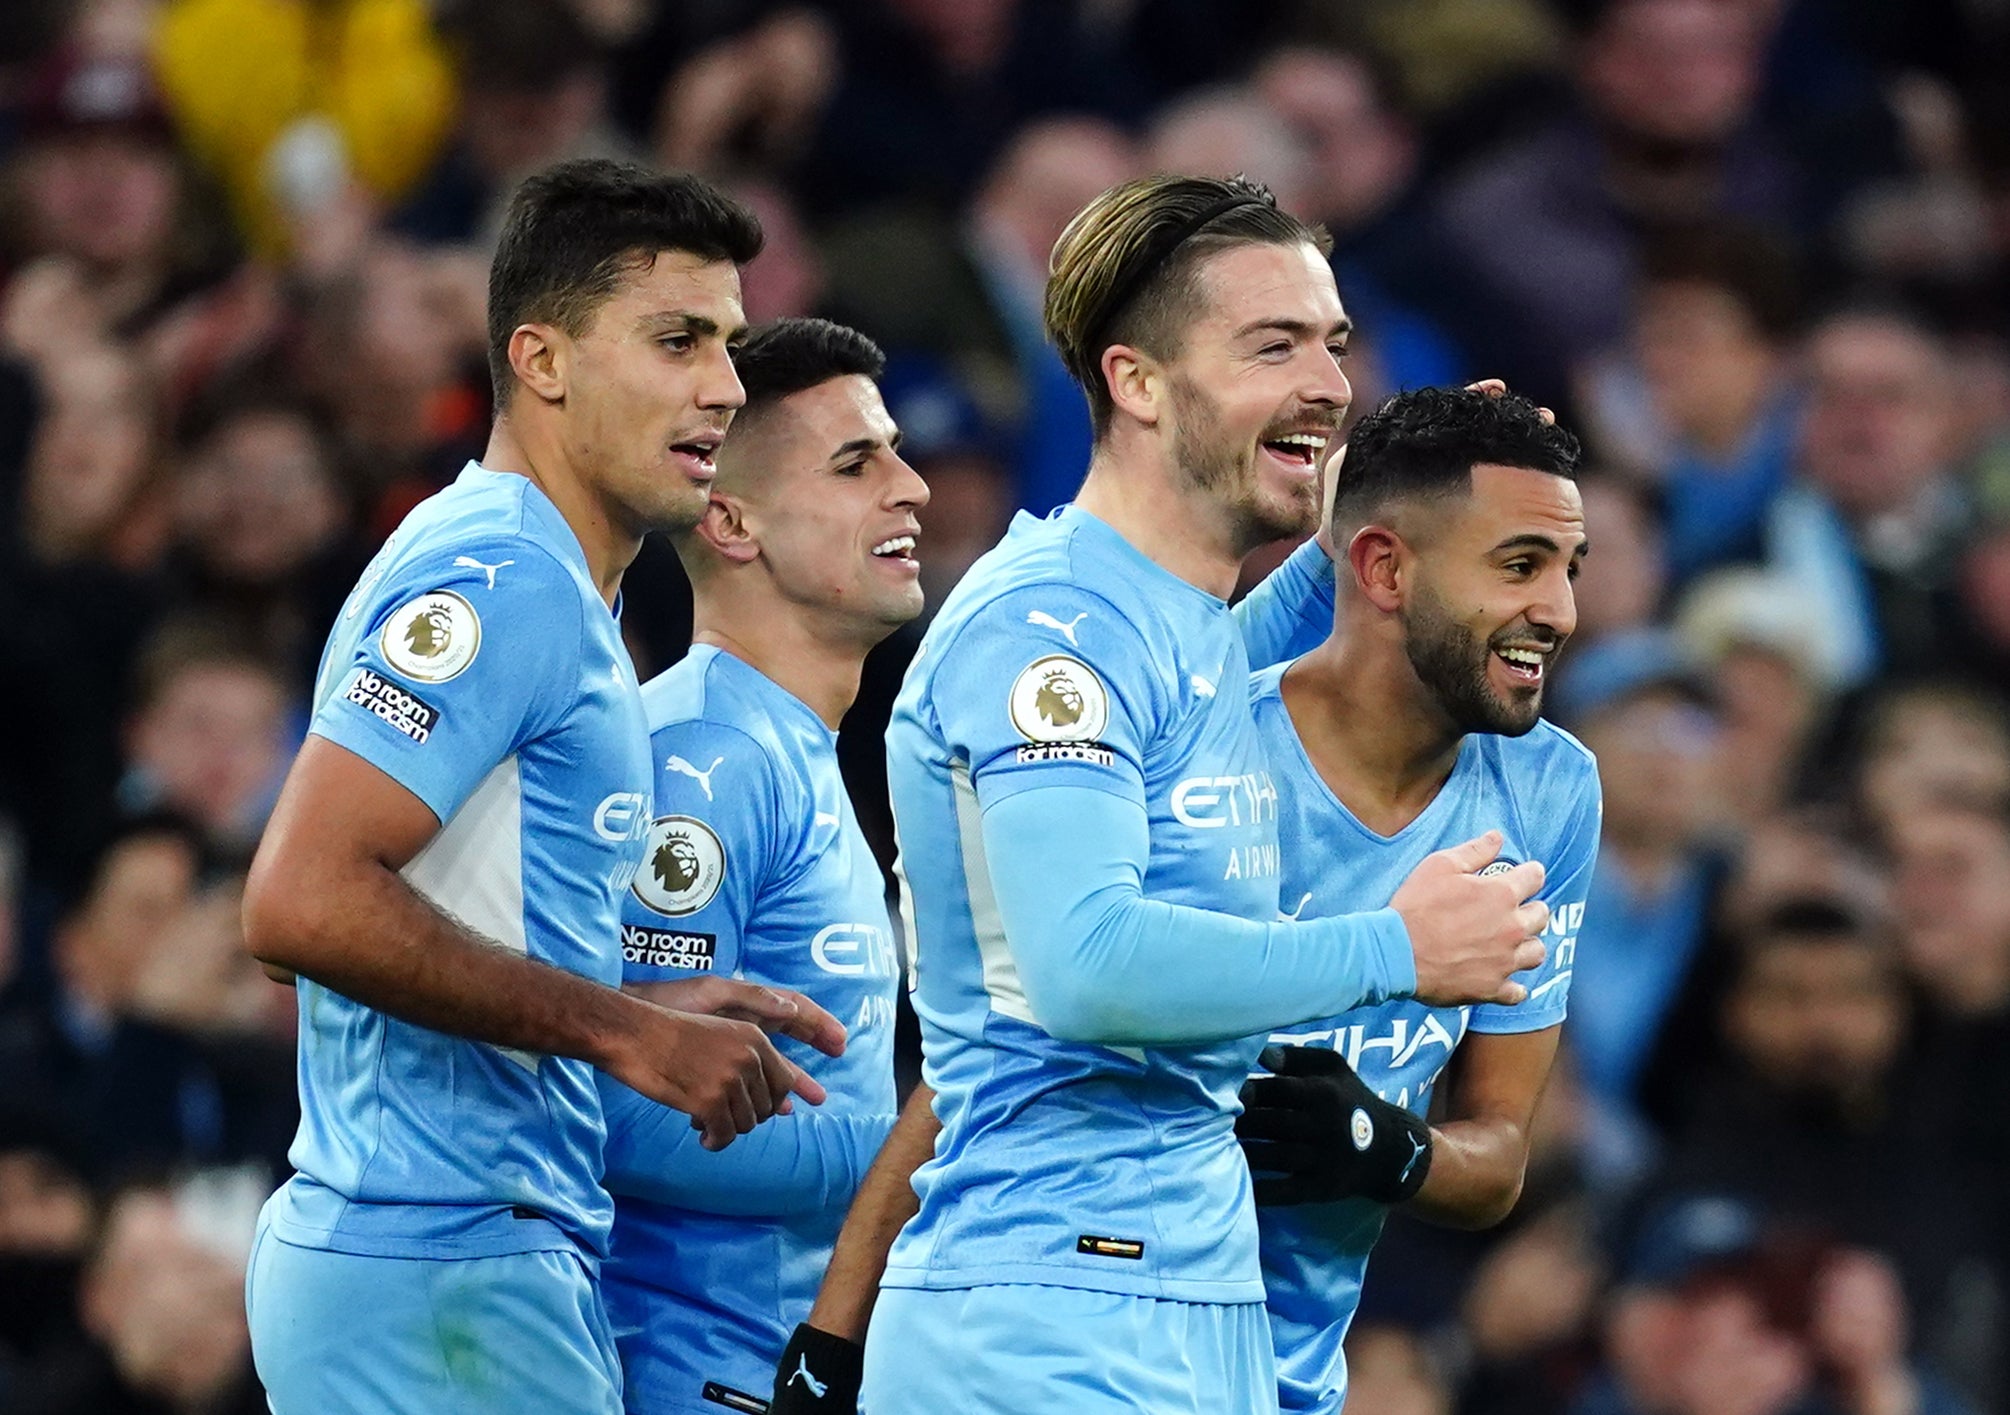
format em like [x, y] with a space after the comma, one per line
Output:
[683, 865]
[1498, 867]
[432, 638]
[1361, 1129]
[1059, 699]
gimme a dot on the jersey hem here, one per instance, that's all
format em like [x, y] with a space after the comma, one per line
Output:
[1226, 1293]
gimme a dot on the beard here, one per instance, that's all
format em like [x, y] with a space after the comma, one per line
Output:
[1451, 662]
[1213, 460]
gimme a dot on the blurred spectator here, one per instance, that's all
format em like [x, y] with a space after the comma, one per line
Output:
[1666, 135]
[933, 90]
[533, 91]
[1811, 1116]
[261, 521]
[300, 107]
[165, 1311]
[1720, 1313]
[1360, 160]
[1760, 643]
[47, 1217]
[103, 207]
[209, 732]
[1985, 602]
[787, 277]
[1927, 745]
[1699, 399]
[972, 296]
[751, 100]
[1873, 527]
[1623, 581]
[395, 348]
[1390, 1371]
[1634, 701]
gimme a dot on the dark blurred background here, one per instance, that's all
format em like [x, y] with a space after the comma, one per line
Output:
[1754, 251]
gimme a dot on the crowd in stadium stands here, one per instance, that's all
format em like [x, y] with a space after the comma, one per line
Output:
[1757, 252]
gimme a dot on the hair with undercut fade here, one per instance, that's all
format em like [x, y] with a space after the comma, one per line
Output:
[574, 229]
[786, 356]
[1425, 444]
[1126, 270]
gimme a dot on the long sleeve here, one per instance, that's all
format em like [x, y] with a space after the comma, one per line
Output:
[1292, 610]
[1102, 963]
[801, 1163]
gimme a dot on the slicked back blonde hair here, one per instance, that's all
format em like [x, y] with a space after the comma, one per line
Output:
[1126, 269]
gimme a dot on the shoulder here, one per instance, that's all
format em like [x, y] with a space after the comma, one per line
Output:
[1552, 777]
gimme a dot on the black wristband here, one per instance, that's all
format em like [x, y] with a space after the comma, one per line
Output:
[818, 1374]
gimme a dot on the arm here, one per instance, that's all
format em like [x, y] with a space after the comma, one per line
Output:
[808, 1162]
[325, 900]
[831, 1344]
[1479, 1153]
[1292, 610]
[1102, 963]
[885, 1202]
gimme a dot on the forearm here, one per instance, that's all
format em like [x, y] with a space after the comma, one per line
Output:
[802, 1163]
[1292, 609]
[1476, 1173]
[1102, 963]
[369, 936]
[885, 1202]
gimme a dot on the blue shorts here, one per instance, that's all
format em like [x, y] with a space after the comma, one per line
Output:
[1022, 1349]
[333, 1333]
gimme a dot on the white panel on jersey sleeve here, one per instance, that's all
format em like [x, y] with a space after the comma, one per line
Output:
[1001, 974]
[473, 869]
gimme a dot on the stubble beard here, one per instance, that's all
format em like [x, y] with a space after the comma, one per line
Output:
[1211, 460]
[1452, 665]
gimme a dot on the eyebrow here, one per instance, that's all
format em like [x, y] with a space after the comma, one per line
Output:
[1302, 328]
[1532, 541]
[861, 445]
[700, 324]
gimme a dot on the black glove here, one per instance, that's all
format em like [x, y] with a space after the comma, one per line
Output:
[1313, 1133]
[818, 1374]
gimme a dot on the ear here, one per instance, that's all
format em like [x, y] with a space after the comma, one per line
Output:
[539, 356]
[726, 531]
[1378, 556]
[1134, 381]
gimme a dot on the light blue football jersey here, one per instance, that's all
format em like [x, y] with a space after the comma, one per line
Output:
[1067, 658]
[477, 665]
[755, 868]
[1540, 790]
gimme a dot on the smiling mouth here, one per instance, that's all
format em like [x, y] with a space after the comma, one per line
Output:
[896, 548]
[1300, 448]
[1524, 665]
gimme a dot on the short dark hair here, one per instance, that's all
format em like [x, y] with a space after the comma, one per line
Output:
[572, 230]
[1425, 443]
[1125, 270]
[1756, 267]
[786, 356]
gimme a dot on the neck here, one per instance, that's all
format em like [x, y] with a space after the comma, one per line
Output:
[816, 663]
[1376, 737]
[536, 452]
[1178, 526]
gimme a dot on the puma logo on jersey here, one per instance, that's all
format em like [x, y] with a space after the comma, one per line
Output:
[1047, 621]
[468, 562]
[1295, 914]
[824, 818]
[1200, 685]
[802, 1373]
[684, 768]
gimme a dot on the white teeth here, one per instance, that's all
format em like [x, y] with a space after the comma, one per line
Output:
[1527, 658]
[1303, 439]
[897, 546]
